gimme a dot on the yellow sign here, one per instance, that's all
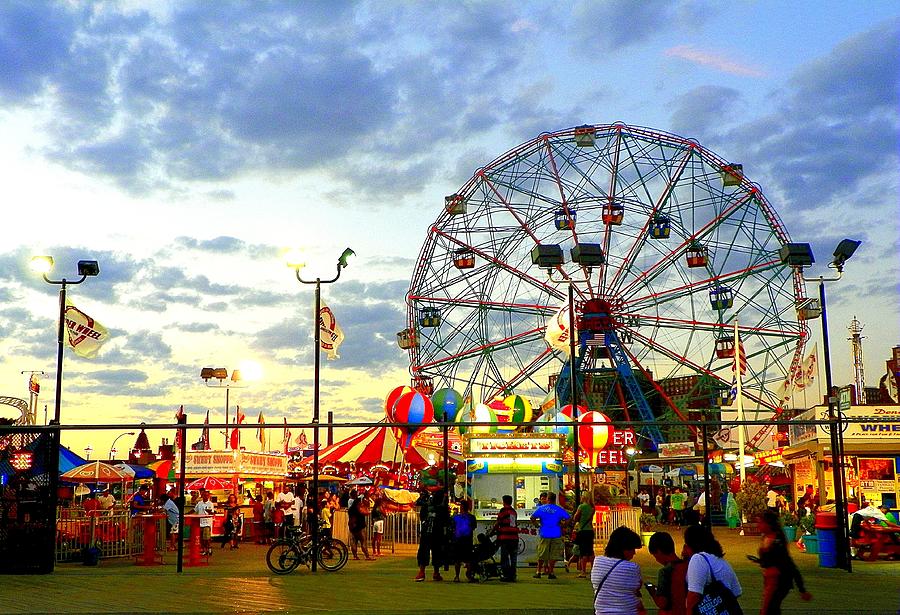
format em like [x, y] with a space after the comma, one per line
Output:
[532, 445]
[235, 462]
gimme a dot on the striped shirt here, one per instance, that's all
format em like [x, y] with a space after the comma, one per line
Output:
[620, 594]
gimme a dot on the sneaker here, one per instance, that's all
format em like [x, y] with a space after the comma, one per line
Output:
[537, 576]
[419, 577]
[437, 577]
[551, 576]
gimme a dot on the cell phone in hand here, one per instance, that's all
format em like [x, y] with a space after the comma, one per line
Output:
[650, 587]
[753, 559]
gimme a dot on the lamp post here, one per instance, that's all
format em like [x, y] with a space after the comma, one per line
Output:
[341, 264]
[43, 265]
[87, 452]
[550, 257]
[112, 448]
[799, 256]
[220, 374]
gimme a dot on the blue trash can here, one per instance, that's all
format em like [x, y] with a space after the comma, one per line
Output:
[827, 548]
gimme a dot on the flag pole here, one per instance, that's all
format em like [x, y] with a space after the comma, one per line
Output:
[740, 402]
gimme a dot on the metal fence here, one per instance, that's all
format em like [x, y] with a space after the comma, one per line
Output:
[115, 535]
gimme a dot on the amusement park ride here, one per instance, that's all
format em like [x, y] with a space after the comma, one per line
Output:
[683, 244]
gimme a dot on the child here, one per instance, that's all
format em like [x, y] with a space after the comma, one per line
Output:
[463, 533]
[377, 527]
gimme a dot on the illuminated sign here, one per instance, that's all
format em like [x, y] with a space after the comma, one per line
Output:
[514, 465]
[235, 462]
[675, 449]
[532, 445]
[766, 457]
[22, 460]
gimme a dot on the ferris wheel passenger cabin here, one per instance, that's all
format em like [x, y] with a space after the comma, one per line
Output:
[732, 174]
[697, 255]
[660, 227]
[585, 136]
[464, 258]
[564, 219]
[613, 213]
[407, 339]
[455, 204]
[721, 297]
[430, 317]
[725, 347]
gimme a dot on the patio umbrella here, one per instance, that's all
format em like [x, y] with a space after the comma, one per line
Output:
[163, 469]
[210, 483]
[362, 480]
[95, 472]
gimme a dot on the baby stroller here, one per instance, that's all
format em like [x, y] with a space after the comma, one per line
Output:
[484, 566]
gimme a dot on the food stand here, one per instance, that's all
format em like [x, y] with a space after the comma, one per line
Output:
[240, 467]
[520, 465]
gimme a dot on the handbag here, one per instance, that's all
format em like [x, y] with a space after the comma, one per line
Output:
[717, 599]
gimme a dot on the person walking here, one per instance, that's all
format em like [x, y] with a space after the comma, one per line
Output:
[678, 500]
[378, 517]
[551, 547]
[434, 517]
[507, 531]
[779, 571]
[268, 512]
[584, 533]
[207, 509]
[670, 590]
[356, 523]
[707, 564]
[463, 540]
[615, 578]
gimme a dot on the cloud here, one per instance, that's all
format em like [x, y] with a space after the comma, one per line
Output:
[696, 108]
[714, 60]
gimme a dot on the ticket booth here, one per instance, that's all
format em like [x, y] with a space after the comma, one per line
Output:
[520, 465]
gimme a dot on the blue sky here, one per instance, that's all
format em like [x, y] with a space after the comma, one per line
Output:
[186, 145]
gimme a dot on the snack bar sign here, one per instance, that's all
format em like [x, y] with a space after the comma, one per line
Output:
[512, 446]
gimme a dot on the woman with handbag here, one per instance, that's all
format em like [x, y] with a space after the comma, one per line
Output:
[616, 579]
[713, 588]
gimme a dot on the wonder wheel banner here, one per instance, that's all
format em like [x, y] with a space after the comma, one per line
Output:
[330, 334]
[557, 333]
[85, 335]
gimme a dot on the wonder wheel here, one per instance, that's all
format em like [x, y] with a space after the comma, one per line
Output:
[683, 245]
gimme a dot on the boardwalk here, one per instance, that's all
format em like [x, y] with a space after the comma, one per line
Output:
[239, 582]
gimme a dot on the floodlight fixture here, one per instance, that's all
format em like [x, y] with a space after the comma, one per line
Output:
[347, 253]
[88, 268]
[843, 252]
[796, 255]
[547, 255]
[588, 254]
[42, 264]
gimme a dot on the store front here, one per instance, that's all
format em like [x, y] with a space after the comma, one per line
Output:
[520, 465]
[871, 451]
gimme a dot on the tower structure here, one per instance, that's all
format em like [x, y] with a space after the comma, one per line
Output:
[859, 377]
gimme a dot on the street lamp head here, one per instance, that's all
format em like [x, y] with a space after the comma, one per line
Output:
[42, 264]
[588, 254]
[347, 253]
[843, 252]
[797, 255]
[88, 268]
[236, 375]
[206, 373]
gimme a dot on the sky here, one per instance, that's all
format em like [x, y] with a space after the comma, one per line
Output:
[187, 145]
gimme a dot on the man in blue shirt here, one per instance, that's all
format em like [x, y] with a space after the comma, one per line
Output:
[550, 542]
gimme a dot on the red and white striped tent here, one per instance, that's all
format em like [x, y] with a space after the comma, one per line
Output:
[380, 445]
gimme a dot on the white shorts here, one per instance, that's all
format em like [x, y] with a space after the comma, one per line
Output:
[174, 528]
[378, 526]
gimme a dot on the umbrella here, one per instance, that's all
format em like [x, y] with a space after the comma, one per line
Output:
[82, 490]
[362, 480]
[163, 469]
[209, 483]
[95, 472]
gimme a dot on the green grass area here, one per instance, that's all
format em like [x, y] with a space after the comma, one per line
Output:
[238, 581]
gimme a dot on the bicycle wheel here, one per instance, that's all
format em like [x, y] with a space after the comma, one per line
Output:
[283, 557]
[333, 554]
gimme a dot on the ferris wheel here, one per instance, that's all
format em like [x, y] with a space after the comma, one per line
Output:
[688, 246]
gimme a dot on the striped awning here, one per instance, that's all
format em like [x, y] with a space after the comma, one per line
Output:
[379, 444]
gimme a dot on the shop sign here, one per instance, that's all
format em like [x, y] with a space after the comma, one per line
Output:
[766, 457]
[513, 465]
[884, 427]
[513, 446]
[877, 486]
[675, 449]
[234, 462]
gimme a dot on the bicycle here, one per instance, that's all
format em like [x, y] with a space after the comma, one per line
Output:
[286, 554]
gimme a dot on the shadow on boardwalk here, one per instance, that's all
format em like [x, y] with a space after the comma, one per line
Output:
[239, 582]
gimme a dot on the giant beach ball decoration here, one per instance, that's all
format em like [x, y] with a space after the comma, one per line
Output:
[503, 415]
[463, 417]
[565, 428]
[567, 410]
[484, 414]
[392, 398]
[415, 411]
[521, 408]
[446, 401]
[593, 438]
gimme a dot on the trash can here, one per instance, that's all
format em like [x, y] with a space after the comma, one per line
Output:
[826, 530]
[90, 556]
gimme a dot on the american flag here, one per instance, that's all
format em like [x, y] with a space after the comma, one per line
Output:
[596, 340]
[740, 356]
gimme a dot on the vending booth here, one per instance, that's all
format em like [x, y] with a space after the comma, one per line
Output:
[520, 465]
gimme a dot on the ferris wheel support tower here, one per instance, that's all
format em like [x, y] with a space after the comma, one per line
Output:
[859, 376]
